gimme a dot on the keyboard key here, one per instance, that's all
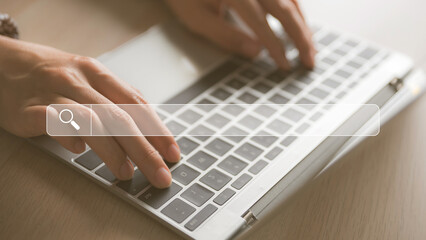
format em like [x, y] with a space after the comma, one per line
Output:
[288, 140]
[215, 179]
[302, 128]
[248, 151]
[279, 126]
[343, 74]
[291, 88]
[273, 153]
[241, 181]
[161, 116]
[235, 134]
[190, 116]
[156, 198]
[171, 108]
[134, 185]
[170, 164]
[256, 168]
[178, 210]
[293, 115]
[319, 93]
[368, 53]
[354, 64]
[201, 132]
[264, 140]
[219, 147]
[248, 98]
[318, 70]
[263, 64]
[315, 116]
[265, 110]
[202, 160]
[89, 160]
[232, 165]
[277, 76]
[351, 43]
[200, 217]
[233, 109]
[235, 83]
[184, 174]
[221, 94]
[328, 61]
[175, 128]
[249, 73]
[306, 103]
[250, 122]
[340, 51]
[262, 87]
[224, 196]
[217, 120]
[329, 105]
[304, 77]
[186, 146]
[206, 105]
[341, 95]
[278, 99]
[106, 174]
[197, 194]
[331, 83]
[329, 38]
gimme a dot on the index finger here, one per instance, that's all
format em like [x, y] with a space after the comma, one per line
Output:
[290, 17]
[253, 14]
[120, 92]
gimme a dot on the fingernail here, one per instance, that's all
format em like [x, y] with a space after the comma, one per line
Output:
[173, 153]
[80, 146]
[250, 49]
[126, 171]
[164, 179]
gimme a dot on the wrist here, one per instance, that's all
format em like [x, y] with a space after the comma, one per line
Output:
[17, 56]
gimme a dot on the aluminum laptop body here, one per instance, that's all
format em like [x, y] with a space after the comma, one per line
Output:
[169, 65]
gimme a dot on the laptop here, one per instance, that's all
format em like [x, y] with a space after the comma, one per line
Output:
[238, 166]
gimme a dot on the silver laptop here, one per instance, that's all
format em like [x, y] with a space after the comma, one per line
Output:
[239, 165]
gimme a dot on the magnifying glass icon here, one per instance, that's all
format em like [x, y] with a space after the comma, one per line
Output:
[74, 124]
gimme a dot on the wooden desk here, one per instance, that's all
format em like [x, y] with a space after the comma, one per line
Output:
[378, 191]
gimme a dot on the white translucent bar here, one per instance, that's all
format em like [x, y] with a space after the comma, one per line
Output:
[209, 119]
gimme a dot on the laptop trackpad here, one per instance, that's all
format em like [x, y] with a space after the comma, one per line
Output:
[162, 61]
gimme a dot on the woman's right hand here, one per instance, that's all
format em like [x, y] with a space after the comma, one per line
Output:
[33, 76]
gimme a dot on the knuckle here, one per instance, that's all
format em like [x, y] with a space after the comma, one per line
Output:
[64, 76]
[88, 62]
[151, 154]
[120, 115]
[286, 7]
[84, 112]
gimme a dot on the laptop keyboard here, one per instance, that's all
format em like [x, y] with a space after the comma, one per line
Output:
[215, 168]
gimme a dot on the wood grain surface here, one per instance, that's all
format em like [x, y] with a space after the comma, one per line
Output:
[378, 191]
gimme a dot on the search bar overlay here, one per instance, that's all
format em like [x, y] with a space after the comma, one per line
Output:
[205, 120]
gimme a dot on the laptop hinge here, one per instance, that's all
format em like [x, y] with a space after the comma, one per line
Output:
[249, 217]
[396, 84]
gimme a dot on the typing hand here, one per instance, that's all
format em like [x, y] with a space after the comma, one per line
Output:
[34, 76]
[205, 17]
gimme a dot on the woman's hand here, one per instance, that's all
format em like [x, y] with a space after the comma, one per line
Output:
[205, 17]
[34, 76]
